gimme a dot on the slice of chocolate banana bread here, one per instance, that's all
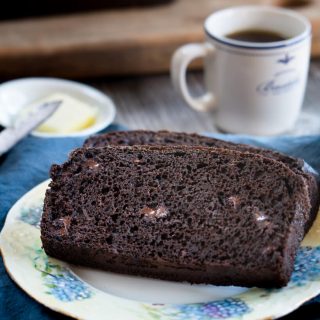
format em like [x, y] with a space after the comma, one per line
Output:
[144, 137]
[203, 215]
[141, 137]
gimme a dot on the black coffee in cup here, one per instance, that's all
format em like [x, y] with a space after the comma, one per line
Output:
[254, 35]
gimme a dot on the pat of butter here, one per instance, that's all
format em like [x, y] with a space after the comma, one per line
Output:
[71, 116]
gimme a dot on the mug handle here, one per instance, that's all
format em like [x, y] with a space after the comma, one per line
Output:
[179, 64]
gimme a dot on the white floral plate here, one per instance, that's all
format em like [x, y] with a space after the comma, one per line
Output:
[90, 294]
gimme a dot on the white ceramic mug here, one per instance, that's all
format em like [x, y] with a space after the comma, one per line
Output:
[257, 87]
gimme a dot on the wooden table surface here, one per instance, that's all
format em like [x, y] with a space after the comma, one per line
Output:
[150, 102]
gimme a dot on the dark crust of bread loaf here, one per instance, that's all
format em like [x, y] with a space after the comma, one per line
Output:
[203, 215]
[146, 137]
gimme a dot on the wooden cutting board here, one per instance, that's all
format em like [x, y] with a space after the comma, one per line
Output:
[116, 42]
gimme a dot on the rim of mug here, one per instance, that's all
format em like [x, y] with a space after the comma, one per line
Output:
[260, 45]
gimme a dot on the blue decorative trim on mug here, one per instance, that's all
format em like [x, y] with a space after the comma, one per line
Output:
[260, 53]
[270, 46]
[286, 59]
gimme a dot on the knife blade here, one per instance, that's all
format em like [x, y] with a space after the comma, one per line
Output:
[12, 135]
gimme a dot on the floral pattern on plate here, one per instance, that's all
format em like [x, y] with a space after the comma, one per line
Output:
[306, 266]
[60, 282]
[31, 215]
[222, 309]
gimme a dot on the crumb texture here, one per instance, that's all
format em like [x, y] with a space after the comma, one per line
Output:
[202, 215]
[144, 137]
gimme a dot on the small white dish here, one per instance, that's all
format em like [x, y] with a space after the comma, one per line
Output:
[16, 94]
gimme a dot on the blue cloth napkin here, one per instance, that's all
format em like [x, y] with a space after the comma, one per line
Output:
[28, 164]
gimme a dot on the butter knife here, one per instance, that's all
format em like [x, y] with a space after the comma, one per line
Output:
[12, 135]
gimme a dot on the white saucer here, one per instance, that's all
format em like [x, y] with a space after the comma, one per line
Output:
[17, 94]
